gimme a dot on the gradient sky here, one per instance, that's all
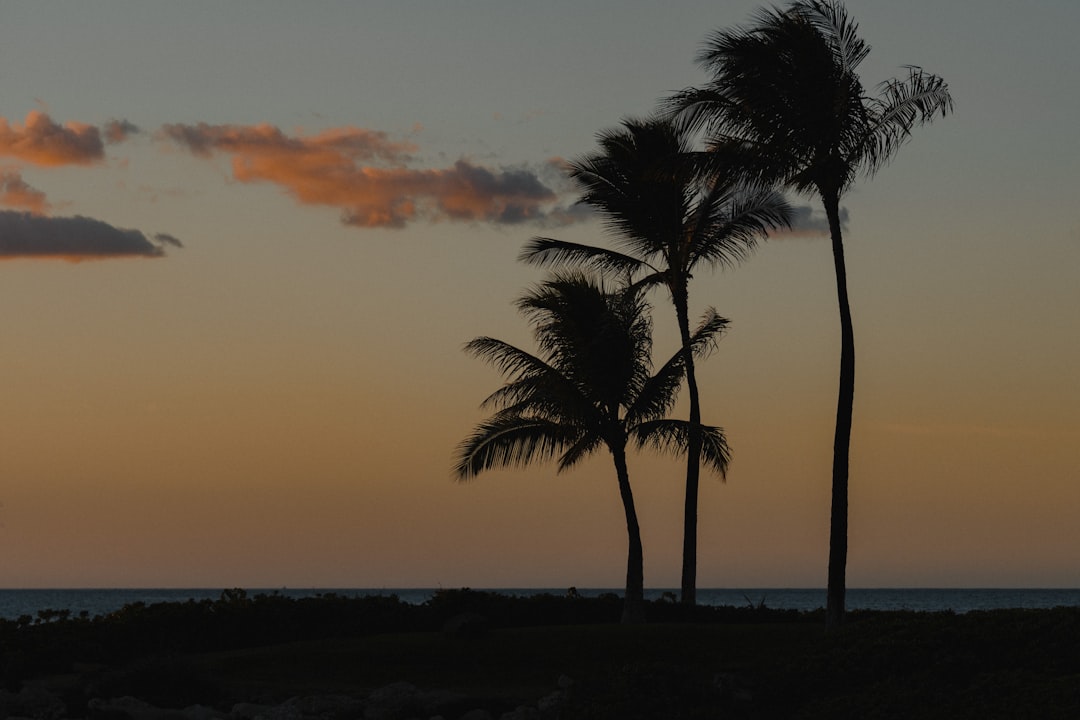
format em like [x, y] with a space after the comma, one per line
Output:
[262, 231]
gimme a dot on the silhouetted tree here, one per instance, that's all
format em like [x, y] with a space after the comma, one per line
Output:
[668, 218]
[785, 102]
[591, 386]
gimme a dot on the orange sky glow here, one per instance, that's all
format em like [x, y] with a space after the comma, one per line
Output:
[318, 207]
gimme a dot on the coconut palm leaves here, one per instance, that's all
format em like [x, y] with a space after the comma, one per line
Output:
[590, 386]
[670, 210]
[786, 105]
[786, 91]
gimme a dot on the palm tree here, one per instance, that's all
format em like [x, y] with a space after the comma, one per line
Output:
[786, 103]
[648, 185]
[591, 386]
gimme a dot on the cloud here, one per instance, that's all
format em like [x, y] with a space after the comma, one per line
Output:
[40, 141]
[167, 239]
[116, 131]
[336, 147]
[367, 176]
[16, 193]
[809, 220]
[24, 235]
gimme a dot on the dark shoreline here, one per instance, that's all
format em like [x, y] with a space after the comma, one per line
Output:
[15, 602]
[499, 652]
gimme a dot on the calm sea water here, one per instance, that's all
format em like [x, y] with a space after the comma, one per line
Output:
[14, 603]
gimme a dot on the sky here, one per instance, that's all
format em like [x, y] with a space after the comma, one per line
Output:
[244, 244]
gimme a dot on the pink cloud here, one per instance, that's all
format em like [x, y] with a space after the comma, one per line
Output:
[40, 141]
[367, 176]
[16, 193]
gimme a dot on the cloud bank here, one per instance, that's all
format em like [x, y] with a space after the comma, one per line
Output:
[26, 232]
[367, 176]
[25, 235]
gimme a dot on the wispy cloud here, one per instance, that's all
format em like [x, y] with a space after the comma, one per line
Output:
[116, 131]
[41, 141]
[368, 177]
[809, 220]
[75, 239]
[167, 239]
[17, 193]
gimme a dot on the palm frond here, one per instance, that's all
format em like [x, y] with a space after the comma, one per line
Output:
[551, 397]
[658, 393]
[901, 106]
[549, 252]
[704, 338]
[840, 31]
[641, 182]
[694, 110]
[509, 360]
[511, 441]
[579, 451]
[732, 219]
[600, 341]
[672, 437]
[649, 281]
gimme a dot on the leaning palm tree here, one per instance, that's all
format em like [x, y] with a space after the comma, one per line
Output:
[669, 218]
[785, 102]
[590, 387]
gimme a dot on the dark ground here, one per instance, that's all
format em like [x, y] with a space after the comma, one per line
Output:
[710, 663]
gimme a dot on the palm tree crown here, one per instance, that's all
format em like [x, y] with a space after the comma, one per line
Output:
[667, 207]
[787, 93]
[591, 386]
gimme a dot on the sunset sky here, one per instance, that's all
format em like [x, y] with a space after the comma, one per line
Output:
[245, 243]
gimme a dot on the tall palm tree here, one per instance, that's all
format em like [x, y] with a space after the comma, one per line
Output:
[786, 103]
[591, 386]
[648, 185]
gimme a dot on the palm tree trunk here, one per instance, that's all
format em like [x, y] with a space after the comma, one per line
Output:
[693, 456]
[634, 598]
[838, 530]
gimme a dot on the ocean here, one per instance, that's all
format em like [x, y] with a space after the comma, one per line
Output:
[99, 601]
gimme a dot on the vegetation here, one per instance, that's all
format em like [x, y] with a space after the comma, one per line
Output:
[669, 218]
[786, 104]
[591, 388]
[699, 662]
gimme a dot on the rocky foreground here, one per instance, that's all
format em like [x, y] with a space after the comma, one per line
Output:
[470, 656]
